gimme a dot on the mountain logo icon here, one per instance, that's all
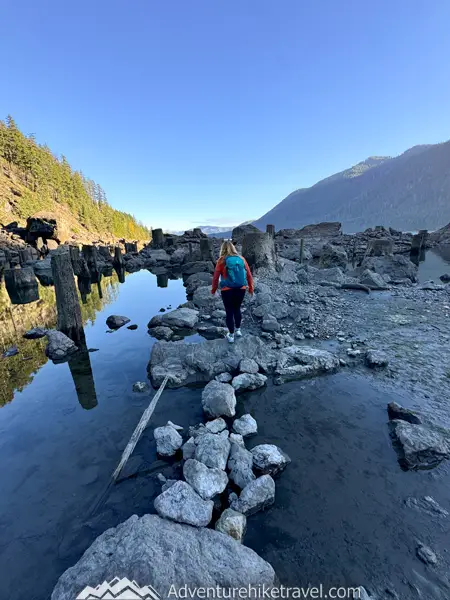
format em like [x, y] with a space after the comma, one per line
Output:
[119, 589]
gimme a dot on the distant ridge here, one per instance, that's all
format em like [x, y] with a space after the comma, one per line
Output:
[408, 192]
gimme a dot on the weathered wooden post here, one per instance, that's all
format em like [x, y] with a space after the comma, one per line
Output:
[259, 250]
[270, 229]
[206, 249]
[90, 256]
[120, 274]
[26, 255]
[302, 250]
[158, 238]
[21, 285]
[67, 303]
[84, 286]
[105, 253]
[77, 260]
[118, 258]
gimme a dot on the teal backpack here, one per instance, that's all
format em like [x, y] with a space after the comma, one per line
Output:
[236, 273]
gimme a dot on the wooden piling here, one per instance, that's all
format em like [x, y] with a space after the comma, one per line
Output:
[118, 258]
[270, 229]
[302, 250]
[21, 285]
[90, 256]
[67, 302]
[206, 249]
[158, 238]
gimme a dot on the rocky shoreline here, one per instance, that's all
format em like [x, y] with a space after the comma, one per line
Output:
[319, 313]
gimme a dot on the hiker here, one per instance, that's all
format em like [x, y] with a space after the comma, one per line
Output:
[235, 277]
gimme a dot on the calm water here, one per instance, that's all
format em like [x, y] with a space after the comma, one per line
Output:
[436, 263]
[339, 517]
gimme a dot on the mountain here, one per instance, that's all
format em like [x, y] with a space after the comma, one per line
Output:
[408, 192]
[35, 181]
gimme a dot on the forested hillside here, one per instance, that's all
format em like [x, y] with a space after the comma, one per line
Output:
[34, 180]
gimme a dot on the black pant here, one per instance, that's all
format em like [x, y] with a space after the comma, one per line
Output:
[232, 300]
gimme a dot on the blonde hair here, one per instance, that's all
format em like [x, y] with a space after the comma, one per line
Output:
[228, 249]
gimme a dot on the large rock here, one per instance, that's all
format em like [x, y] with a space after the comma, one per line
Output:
[161, 333]
[187, 363]
[392, 267]
[182, 504]
[180, 318]
[397, 412]
[212, 450]
[240, 465]
[279, 310]
[373, 280]
[333, 275]
[298, 362]
[333, 256]
[197, 280]
[376, 359]
[232, 523]
[168, 440]
[247, 382]
[256, 496]
[421, 448]
[248, 365]
[161, 554]
[269, 459]
[218, 399]
[59, 347]
[245, 425]
[205, 481]
[204, 299]
[116, 321]
[241, 231]
[197, 267]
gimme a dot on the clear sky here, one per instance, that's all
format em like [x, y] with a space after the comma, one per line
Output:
[211, 111]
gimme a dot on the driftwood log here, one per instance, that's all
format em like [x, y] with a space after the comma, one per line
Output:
[67, 302]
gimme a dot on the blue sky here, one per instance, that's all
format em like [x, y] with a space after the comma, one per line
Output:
[205, 111]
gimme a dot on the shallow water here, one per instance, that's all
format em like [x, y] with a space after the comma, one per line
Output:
[339, 516]
[436, 263]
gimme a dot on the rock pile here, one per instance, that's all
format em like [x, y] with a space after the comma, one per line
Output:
[217, 466]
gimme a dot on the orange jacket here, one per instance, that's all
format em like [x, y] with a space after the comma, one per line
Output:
[221, 270]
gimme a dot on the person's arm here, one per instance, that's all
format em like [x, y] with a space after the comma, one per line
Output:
[216, 276]
[251, 283]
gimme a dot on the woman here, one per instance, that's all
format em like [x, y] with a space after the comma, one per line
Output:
[235, 276]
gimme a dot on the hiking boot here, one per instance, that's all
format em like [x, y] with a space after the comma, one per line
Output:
[238, 332]
[230, 338]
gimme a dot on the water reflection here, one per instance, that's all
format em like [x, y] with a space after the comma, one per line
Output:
[81, 371]
[17, 317]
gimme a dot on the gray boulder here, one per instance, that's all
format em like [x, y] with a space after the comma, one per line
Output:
[224, 377]
[256, 496]
[269, 459]
[421, 448]
[212, 450]
[161, 333]
[333, 256]
[248, 365]
[232, 523]
[426, 554]
[298, 362]
[445, 278]
[168, 440]
[116, 321]
[197, 280]
[190, 268]
[237, 438]
[35, 333]
[182, 504]
[216, 426]
[240, 465]
[204, 299]
[189, 448]
[331, 275]
[397, 412]
[180, 318]
[373, 280]
[205, 481]
[392, 267]
[218, 399]
[270, 324]
[279, 310]
[140, 387]
[375, 359]
[59, 347]
[247, 382]
[245, 425]
[188, 363]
